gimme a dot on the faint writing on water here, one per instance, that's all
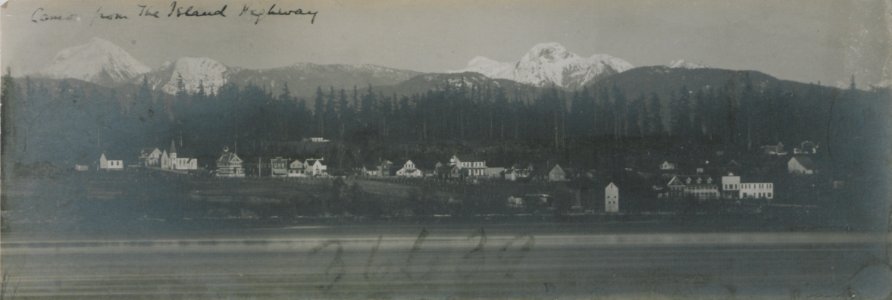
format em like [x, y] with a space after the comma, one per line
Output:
[472, 262]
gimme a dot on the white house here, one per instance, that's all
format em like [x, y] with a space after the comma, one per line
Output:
[315, 167]
[169, 160]
[800, 165]
[229, 165]
[110, 164]
[730, 186]
[556, 173]
[297, 169]
[409, 170]
[317, 139]
[757, 190]
[278, 167]
[473, 166]
[81, 168]
[611, 198]
[700, 187]
[150, 157]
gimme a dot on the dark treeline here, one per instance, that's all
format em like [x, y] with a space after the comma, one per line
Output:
[70, 121]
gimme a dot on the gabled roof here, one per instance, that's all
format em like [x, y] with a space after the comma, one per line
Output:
[469, 157]
[149, 150]
[683, 180]
[675, 181]
[805, 162]
[228, 157]
[312, 161]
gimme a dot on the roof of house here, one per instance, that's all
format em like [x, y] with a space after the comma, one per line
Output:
[311, 161]
[805, 162]
[228, 157]
[148, 150]
[683, 179]
[469, 157]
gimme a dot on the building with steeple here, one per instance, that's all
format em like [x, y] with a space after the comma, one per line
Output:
[171, 160]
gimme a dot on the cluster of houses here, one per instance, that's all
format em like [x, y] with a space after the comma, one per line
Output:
[310, 167]
[804, 148]
[698, 184]
[800, 163]
[465, 167]
[156, 158]
[167, 159]
[703, 187]
[229, 164]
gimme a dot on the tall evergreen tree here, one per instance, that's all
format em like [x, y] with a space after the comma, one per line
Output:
[319, 112]
[654, 115]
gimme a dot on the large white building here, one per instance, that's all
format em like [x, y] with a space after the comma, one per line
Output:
[733, 188]
[171, 161]
[757, 190]
[473, 166]
[611, 198]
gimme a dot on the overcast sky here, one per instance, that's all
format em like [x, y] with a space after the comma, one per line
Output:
[806, 40]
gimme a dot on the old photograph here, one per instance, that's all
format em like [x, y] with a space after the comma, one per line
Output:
[466, 149]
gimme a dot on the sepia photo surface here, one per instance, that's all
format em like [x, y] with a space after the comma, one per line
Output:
[395, 149]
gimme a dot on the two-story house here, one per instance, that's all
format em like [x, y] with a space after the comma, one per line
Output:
[474, 166]
[229, 165]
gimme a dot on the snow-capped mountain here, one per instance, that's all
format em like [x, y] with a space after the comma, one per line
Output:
[550, 63]
[102, 62]
[97, 61]
[196, 73]
[683, 64]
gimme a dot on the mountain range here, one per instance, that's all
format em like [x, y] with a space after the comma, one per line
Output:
[102, 62]
[550, 64]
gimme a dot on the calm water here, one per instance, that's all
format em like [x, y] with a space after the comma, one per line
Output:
[445, 261]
